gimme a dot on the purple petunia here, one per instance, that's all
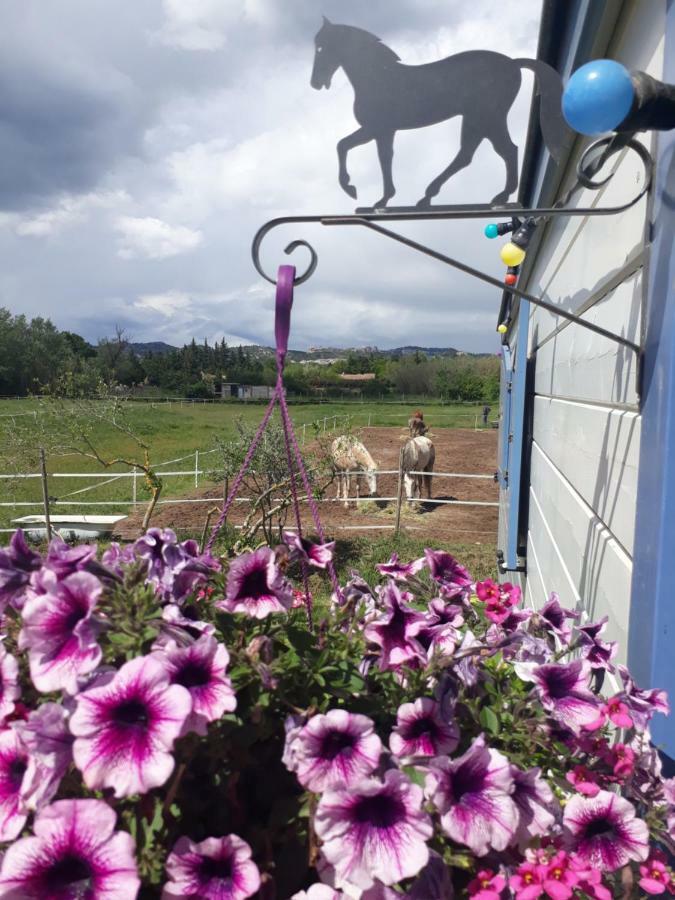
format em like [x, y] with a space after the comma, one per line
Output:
[434, 882]
[17, 563]
[473, 796]
[75, 852]
[536, 804]
[317, 555]
[376, 830]
[642, 704]
[175, 569]
[218, 868]
[200, 667]
[563, 691]
[398, 570]
[10, 689]
[604, 831]
[334, 750]
[552, 618]
[396, 631]
[319, 892]
[125, 726]
[421, 730]
[60, 633]
[453, 578]
[255, 586]
[14, 784]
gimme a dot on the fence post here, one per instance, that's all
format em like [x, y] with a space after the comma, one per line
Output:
[324, 424]
[45, 493]
[399, 492]
[196, 468]
[133, 486]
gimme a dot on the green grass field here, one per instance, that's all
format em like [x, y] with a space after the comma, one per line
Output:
[176, 430]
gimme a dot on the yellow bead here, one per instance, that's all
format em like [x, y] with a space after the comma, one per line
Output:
[502, 329]
[511, 254]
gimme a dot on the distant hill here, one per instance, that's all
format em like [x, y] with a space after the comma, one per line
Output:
[151, 347]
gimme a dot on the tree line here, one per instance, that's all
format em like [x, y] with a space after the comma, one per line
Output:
[36, 357]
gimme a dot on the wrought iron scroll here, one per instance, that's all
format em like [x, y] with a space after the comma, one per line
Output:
[592, 160]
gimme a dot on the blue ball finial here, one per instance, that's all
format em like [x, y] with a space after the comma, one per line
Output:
[491, 231]
[598, 97]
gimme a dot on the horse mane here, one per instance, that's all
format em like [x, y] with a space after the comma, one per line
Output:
[372, 40]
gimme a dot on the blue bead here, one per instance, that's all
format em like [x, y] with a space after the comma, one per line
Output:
[598, 97]
[491, 231]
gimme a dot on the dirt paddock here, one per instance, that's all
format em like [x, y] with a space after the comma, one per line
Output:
[457, 450]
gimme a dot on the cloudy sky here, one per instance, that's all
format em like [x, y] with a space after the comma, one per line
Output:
[143, 143]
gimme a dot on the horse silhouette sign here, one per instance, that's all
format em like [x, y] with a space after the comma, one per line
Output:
[479, 85]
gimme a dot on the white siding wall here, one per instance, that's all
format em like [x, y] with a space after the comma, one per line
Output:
[583, 477]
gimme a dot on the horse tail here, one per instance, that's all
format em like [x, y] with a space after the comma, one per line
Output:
[549, 87]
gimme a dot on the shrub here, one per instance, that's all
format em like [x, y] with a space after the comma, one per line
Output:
[172, 726]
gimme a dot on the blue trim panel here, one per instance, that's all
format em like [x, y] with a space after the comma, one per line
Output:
[515, 454]
[651, 646]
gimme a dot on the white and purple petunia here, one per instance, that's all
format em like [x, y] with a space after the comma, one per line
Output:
[564, 692]
[14, 784]
[422, 731]
[215, 869]
[597, 652]
[396, 631]
[48, 740]
[374, 831]
[17, 564]
[256, 586]
[604, 831]
[473, 796]
[200, 668]
[10, 689]
[125, 726]
[60, 632]
[175, 569]
[319, 892]
[75, 852]
[302, 550]
[536, 804]
[334, 750]
[394, 568]
[642, 704]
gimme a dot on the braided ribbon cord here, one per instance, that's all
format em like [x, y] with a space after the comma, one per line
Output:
[296, 465]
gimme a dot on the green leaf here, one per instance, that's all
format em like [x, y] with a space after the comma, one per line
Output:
[489, 720]
[415, 775]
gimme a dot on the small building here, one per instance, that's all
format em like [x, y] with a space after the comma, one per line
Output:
[587, 430]
[364, 376]
[254, 392]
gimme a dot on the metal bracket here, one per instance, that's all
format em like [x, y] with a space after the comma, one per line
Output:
[588, 166]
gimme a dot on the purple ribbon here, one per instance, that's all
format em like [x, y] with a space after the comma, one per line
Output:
[284, 303]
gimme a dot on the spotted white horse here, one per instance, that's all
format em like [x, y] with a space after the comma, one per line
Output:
[351, 459]
[419, 455]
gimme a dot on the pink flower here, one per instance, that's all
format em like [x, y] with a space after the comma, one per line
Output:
[473, 796]
[604, 831]
[615, 711]
[584, 780]
[622, 760]
[421, 731]
[396, 631]
[486, 885]
[335, 750]
[398, 570]
[125, 726]
[60, 632]
[487, 590]
[375, 831]
[499, 599]
[528, 881]
[75, 853]
[255, 586]
[9, 683]
[655, 876]
[200, 667]
[215, 869]
[560, 879]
